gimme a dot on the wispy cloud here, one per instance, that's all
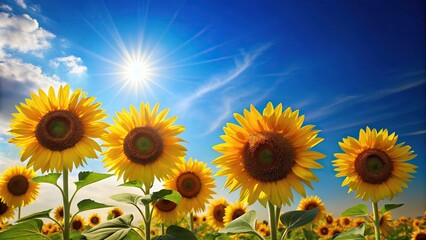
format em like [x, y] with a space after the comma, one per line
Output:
[73, 64]
[420, 132]
[21, 3]
[6, 7]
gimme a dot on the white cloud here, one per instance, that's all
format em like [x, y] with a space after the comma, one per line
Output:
[21, 3]
[6, 7]
[72, 63]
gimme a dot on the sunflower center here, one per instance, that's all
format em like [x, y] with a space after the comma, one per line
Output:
[219, 212]
[3, 207]
[143, 145]
[374, 166]
[59, 130]
[188, 185]
[268, 156]
[94, 220]
[324, 230]
[329, 219]
[165, 205]
[61, 212]
[237, 213]
[421, 236]
[18, 185]
[77, 225]
[311, 206]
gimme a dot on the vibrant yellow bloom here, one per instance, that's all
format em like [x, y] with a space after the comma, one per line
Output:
[373, 165]
[357, 222]
[417, 223]
[234, 211]
[329, 218]
[386, 223]
[58, 214]
[50, 228]
[267, 154]
[194, 181]
[167, 212]
[115, 213]
[56, 131]
[94, 219]
[196, 220]
[216, 212]
[78, 224]
[419, 234]
[324, 231]
[6, 211]
[3, 225]
[143, 145]
[264, 230]
[336, 229]
[344, 222]
[312, 202]
[15, 188]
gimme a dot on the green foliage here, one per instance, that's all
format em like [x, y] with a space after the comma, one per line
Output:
[295, 219]
[115, 229]
[88, 204]
[388, 207]
[352, 234]
[127, 198]
[134, 183]
[74, 235]
[51, 178]
[86, 178]
[42, 214]
[28, 230]
[309, 235]
[359, 210]
[174, 232]
[244, 224]
[165, 194]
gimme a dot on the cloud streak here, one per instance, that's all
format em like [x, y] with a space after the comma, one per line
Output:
[73, 64]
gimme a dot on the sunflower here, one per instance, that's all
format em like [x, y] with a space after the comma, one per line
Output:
[357, 222]
[58, 214]
[6, 211]
[196, 220]
[15, 187]
[194, 181]
[312, 202]
[324, 231]
[216, 212]
[373, 165]
[3, 225]
[143, 145]
[335, 230]
[419, 234]
[417, 223]
[264, 230]
[56, 131]
[267, 154]
[329, 219]
[78, 224]
[94, 219]
[386, 223]
[234, 211]
[167, 212]
[344, 222]
[115, 213]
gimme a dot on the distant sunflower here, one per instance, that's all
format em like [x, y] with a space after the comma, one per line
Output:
[324, 231]
[344, 222]
[166, 212]
[56, 131]
[264, 230]
[78, 224]
[115, 213]
[234, 211]
[6, 211]
[15, 188]
[143, 145]
[312, 202]
[268, 153]
[329, 219]
[94, 219]
[357, 222]
[373, 165]
[386, 223]
[58, 213]
[417, 223]
[196, 219]
[194, 181]
[335, 230]
[419, 234]
[216, 212]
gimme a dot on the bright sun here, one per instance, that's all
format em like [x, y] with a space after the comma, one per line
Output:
[137, 72]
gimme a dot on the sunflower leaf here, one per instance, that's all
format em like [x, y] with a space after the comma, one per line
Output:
[359, 210]
[74, 235]
[42, 214]
[174, 232]
[86, 178]
[354, 233]
[135, 183]
[28, 230]
[388, 207]
[165, 194]
[246, 223]
[51, 178]
[295, 219]
[129, 198]
[114, 229]
[89, 204]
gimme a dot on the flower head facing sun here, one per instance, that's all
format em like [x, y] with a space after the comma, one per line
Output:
[216, 213]
[268, 154]
[6, 211]
[143, 144]
[58, 213]
[373, 165]
[194, 181]
[234, 211]
[56, 130]
[167, 212]
[16, 188]
[94, 219]
[115, 213]
[311, 203]
[78, 224]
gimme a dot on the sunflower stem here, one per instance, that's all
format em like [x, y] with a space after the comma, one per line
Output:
[19, 212]
[376, 220]
[162, 229]
[273, 221]
[147, 217]
[66, 231]
[191, 221]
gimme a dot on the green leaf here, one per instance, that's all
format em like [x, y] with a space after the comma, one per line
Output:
[295, 219]
[244, 224]
[354, 233]
[166, 194]
[28, 230]
[309, 235]
[388, 207]
[132, 235]
[359, 210]
[89, 204]
[43, 214]
[129, 198]
[115, 229]
[86, 178]
[174, 232]
[51, 178]
[134, 183]
[74, 235]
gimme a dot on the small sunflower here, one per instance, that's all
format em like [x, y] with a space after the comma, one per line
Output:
[419, 234]
[78, 224]
[194, 181]
[329, 219]
[312, 202]
[268, 153]
[94, 219]
[344, 222]
[335, 230]
[6, 211]
[196, 220]
[234, 211]
[373, 165]
[155, 232]
[417, 223]
[386, 223]
[167, 212]
[143, 145]
[56, 131]
[216, 212]
[264, 230]
[115, 213]
[324, 231]
[58, 213]
[357, 222]
[15, 188]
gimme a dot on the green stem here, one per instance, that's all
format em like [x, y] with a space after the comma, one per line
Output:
[162, 229]
[272, 221]
[191, 221]
[19, 212]
[147, 218]
[66, 232]
[376, 220]
[284, 234]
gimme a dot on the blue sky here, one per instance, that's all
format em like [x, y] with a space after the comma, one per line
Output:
[345, 64]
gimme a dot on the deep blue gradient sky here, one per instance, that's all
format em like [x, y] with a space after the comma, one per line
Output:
[345, 64]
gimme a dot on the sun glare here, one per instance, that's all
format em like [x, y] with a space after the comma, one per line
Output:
[137, 72]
